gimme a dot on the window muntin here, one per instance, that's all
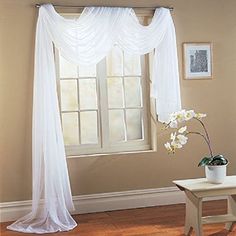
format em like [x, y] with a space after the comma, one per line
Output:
[125, 100]
[78, 103]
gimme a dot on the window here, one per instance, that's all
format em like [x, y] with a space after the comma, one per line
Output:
[104, 107]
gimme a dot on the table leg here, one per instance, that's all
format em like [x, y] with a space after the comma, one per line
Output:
[231, 210]
[193, 217]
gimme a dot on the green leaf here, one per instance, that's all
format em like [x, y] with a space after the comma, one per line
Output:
[218, 160]
[205, 161]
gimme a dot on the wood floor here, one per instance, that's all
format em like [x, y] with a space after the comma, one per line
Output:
[152, 221]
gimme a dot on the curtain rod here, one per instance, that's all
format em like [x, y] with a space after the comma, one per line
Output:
[73, 6]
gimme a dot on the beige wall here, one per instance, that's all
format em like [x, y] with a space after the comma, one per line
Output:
[196, 21]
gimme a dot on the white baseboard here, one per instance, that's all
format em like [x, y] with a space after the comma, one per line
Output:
[10, 211]
[127, 200]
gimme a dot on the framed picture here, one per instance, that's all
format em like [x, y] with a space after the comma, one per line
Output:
[197, 60]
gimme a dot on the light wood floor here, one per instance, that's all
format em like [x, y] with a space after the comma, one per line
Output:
[151, 221]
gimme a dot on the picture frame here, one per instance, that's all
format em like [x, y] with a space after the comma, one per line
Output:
[197, 61]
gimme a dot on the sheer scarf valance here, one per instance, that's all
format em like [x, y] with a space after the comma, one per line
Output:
[85, 41]
[89, 38]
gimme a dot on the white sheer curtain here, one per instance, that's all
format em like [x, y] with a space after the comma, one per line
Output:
[86, 41]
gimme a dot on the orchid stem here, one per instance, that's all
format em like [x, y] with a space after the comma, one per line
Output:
[205, 138]
[204, 127]
[207, 135]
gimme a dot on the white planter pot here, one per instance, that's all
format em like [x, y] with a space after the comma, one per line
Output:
[215, 174]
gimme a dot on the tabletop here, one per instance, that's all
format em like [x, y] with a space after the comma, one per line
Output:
[202, 184]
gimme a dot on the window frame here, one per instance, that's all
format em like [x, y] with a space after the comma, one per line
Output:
[104, 146]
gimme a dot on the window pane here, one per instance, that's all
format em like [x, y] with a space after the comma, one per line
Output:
[87, 71]
[67, 69]
[132, 65]
[132, 92]
[70, 128]
[88, 123]
[69, 95]
[115, 62]
[87, 93]
[115, 92]
[134, 124]
[116, 125]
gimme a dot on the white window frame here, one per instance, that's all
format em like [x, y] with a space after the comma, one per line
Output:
[104, 146]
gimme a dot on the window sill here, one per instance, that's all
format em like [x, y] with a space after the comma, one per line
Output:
[111, 154]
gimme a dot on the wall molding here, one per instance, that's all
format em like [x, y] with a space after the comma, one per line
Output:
[10, 211]
[127, 199]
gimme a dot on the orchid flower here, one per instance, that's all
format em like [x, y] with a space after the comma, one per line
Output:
[182, 129]
[179, 138]
[182, 139]
[200, 115]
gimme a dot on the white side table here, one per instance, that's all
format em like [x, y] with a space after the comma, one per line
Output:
[195, 190]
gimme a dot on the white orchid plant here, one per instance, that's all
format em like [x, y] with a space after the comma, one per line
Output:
[180, 137]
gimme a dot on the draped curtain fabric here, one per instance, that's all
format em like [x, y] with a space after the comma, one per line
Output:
[86, 41]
